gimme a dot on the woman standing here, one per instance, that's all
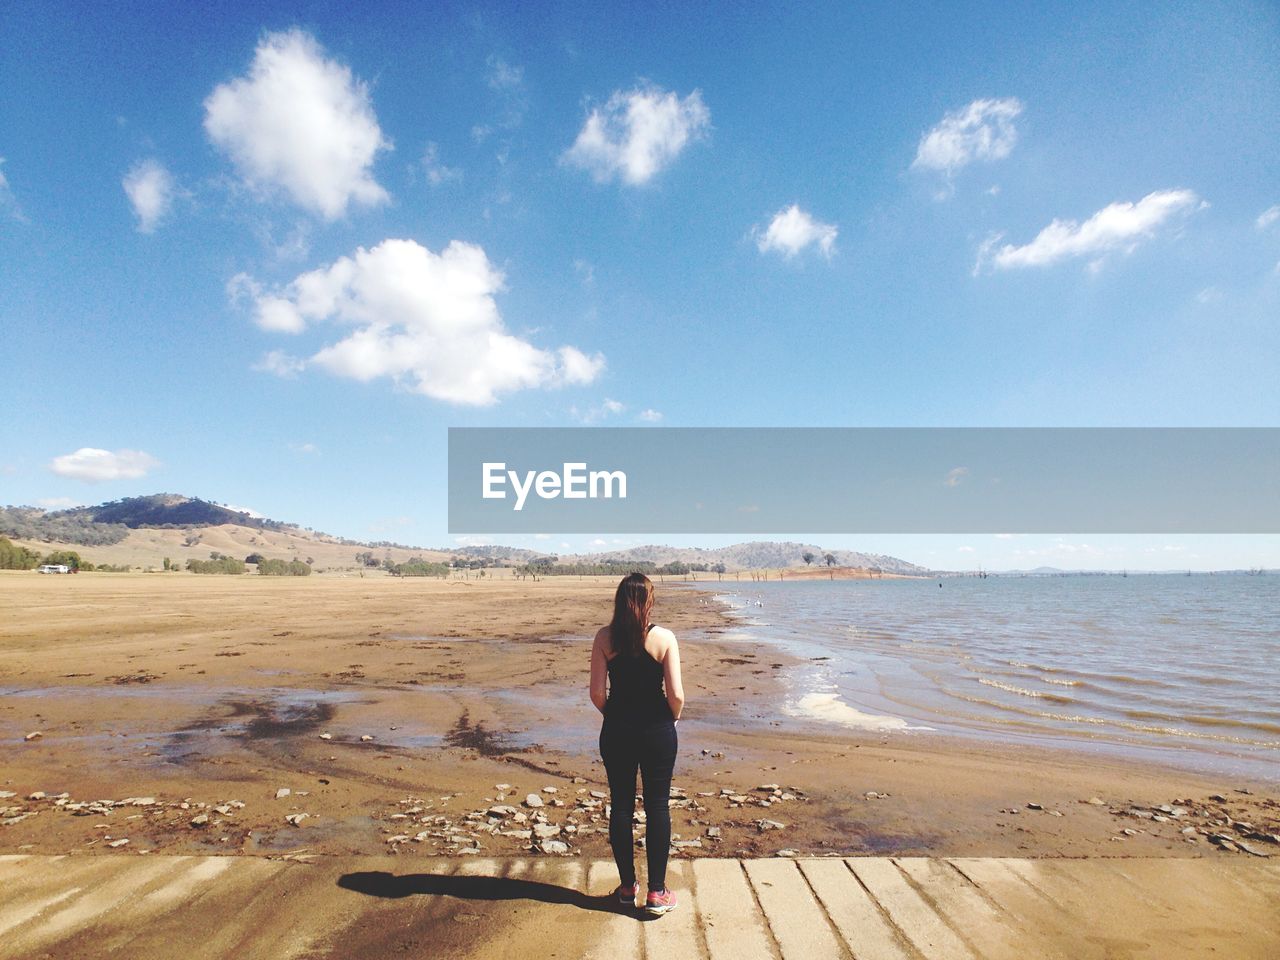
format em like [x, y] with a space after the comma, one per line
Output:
[639, 663]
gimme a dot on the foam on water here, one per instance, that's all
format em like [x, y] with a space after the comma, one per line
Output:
[830, 708]
[1178, 664]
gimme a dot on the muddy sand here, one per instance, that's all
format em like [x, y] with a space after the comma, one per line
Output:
[375, 716]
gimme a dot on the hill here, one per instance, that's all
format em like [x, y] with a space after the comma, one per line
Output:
[142, 531]
[754, 555]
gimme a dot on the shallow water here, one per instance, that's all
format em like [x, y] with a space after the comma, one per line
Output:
[1180, 667]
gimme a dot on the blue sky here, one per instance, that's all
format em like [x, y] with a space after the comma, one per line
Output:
[267, 254]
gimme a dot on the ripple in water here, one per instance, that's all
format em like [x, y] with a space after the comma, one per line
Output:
[1149, 661]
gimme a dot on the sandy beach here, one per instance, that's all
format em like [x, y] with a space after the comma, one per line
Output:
[173, 712]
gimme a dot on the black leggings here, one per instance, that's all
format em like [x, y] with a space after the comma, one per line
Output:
[652, 748]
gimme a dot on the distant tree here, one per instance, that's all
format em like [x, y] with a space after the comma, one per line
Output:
[283, 568]
[420, 568]
[68, 557]
[807, 557]
[228, 565]
[830, 558]
[13, 557]
[254, 558]
[719, 569]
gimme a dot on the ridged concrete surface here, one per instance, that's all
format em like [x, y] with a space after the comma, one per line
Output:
[867, 909]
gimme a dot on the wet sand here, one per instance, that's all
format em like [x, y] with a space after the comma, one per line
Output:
[171, 710]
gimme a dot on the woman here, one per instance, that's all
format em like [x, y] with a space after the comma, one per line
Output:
[640, 663]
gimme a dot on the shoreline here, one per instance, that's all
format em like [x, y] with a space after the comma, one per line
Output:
[212, 694]
[886, 689]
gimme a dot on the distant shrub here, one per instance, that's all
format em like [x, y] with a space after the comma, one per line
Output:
[548, 568]
[283, 568]
[224, 565]
[68, 558]
[419, 568]
[13, 557]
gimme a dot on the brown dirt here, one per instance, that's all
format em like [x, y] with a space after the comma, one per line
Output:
[199, 691]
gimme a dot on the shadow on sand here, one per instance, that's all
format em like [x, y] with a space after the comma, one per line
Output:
[379, 883]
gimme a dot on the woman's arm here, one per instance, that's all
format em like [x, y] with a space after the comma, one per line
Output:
[673, 681]
[599, 673]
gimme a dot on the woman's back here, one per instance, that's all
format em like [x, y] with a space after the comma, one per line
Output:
[636, 694]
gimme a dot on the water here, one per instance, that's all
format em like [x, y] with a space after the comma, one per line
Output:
[1182, 668]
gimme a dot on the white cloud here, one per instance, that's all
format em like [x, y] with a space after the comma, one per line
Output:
[280, 364]
[649, 415]
[151, 190]
[9, 203]
[956, 476]
[93, 465]
[792, 230]
[607, 408]
[965, 550]
[428, 321]
[273, 313]
[1267, 217]
[501, 75]
[637, 133]
[300, 122]
[59, 503]
[437, 173]
[253, 513]
[1119, 226]
[507, 83]
[307, 448]
[984, 130]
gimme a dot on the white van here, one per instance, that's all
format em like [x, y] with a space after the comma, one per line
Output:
[53, 568]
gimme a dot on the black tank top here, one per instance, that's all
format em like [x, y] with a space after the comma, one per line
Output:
[635, 690]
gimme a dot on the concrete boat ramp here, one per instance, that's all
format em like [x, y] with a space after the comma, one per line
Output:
[135, 906]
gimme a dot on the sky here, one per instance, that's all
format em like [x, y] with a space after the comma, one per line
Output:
[267, 254]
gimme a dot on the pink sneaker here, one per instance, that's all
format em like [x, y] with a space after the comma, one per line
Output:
[659, 902]
[626, 895]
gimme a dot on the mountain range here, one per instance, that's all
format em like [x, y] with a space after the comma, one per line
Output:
[138, 530]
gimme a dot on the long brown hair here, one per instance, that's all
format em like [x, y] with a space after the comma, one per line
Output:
[631, 606]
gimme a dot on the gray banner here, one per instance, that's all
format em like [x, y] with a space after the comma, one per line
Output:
[856, 480]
